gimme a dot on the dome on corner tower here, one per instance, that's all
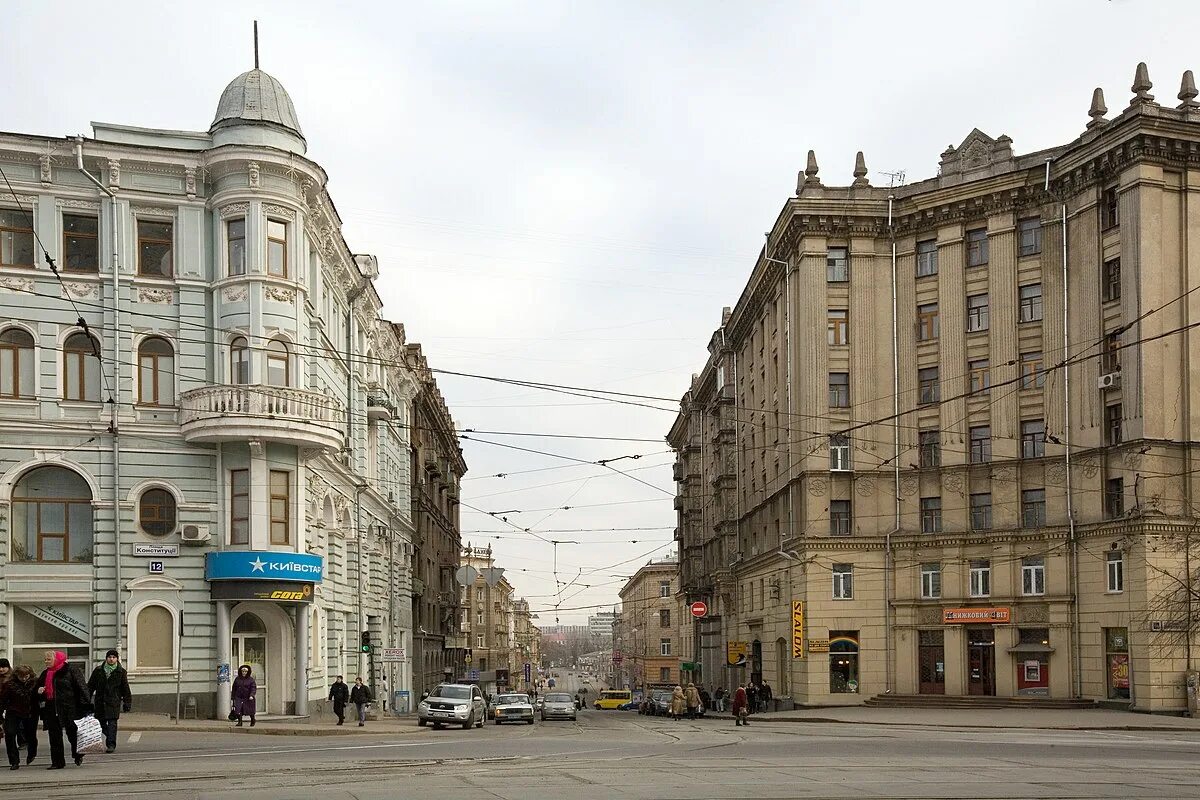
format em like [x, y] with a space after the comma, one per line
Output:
[256, 99]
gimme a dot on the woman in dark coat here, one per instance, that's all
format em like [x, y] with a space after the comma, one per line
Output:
[741, 706]
[64, 698]
[18, 701]
[244, 690]
[109, 687]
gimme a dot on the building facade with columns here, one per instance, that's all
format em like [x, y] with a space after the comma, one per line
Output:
[942, 443]
[204, 448]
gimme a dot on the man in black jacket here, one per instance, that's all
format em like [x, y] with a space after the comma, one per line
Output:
[109, 689]
[339, 693]
[360, 695]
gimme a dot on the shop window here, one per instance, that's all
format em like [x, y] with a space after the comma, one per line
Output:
[156, 372]
[52, 517]
[235, 246]
[16, 364]
[1029, 307]
[931, 581]
[1033, 508]
[1115, 560]
[1116, 645]
[980, 578]
[30, 636]
[16, 239]
[979, 375]
[843, 662]
[931, 515]
[977, 313]
[930, 448]
[837, 265]
[153, 643]
[156, 240]
[927, 258]
[239, 506]
[81, 243]
[157, 512]
[1033, 576]
[843, 581]
[977, 247]
[81, 368]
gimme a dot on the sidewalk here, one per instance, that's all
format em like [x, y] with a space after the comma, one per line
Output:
[1047, 719]
[277, 726]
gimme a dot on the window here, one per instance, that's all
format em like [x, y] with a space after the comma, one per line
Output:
[664, 674]
[239, 361]
[838, 328]
[1029, 236]
[927, 258]
[1110, 360]
[931, 581]
[1110, 209]
[839, 518]
[930, 448]
[837, 265]
[843, 581]
[979, 375]
[280, 506]
[1112, 424]
[1114, 497]
[664, 618]
[981, 511]
[664, 588]
[156, 372]
[839, 390]
[155, 241]
[278, 373]
[981, 444]
[16, 364]
[155, 637]
[1032, 374]
[479, 594]
[52, 517]
[843, 662]
[479, 640]
[931, 515]
[277, 249]
[81, 243]
[1033, 575]
[928, 388]
[981, 578]
[1033, 438]
[156, 512]
[1112, 280]
[239, 506]
[81, 368]
[927, 322]
[839, 452]
[977, 247]
[479, 618]
[235, 247]
[16, 239]
[977, 313]
[1029, 308]
[1116, 570]
[664, 647]
[1033, 508]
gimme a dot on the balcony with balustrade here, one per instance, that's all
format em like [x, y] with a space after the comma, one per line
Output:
[272, 413]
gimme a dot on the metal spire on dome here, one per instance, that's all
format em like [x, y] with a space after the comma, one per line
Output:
[256, 44]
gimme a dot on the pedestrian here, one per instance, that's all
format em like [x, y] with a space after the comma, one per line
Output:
[764, 696]
[692, 697]
[339, 693]
[719, 699]
[245, 695]
[360, 695]
[63, 698]
[18, 703]
[109, 690]
[741, 706]
[705, 699]
[678, 703]
[752, 698]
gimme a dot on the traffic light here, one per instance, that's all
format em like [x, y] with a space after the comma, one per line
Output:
[366, 641]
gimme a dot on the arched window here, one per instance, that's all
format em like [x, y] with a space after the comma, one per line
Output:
[239, 361]
[154, 639]
[81, 368]
[157, 512]
[156, 372]
[16, 363]
[278, 369]
[52, 517]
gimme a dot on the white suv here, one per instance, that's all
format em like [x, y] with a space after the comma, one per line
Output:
[453, 704]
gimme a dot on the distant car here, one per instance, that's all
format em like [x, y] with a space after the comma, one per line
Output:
[656, 704]
[514, 708]
[559, 706]
[453, 704]
[630, 706]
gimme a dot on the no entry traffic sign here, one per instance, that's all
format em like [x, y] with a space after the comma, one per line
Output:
[699, 609]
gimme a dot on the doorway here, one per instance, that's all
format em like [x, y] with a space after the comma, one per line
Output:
[931, 662]
[981, 662]
[250, 647]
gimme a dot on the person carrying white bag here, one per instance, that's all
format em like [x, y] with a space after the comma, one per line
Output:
[63, 698]
[89, 736]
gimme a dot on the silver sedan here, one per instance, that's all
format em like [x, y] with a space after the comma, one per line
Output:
[558, 706]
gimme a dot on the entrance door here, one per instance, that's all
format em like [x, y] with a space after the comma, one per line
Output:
[981, 662]
[931, 662]
[250, 647]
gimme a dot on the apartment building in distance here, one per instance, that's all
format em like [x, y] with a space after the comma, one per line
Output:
[647, 630]
[943, 440]
[498, 626]
[600, 626]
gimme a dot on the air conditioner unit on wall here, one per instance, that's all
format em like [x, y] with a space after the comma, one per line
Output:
[194, 534]
[1110, 381]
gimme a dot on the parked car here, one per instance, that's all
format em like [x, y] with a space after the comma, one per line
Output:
[514, 708]
[453, 704]
[656, 704]
[559, 706]
[630, 706]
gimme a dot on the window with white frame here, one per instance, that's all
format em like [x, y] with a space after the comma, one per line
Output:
[664, 647]
[153, 642]
[931, 581]
[664, 588]
[1116, 570]
[981, 578]
[843, 581]
[839, 452]
[1033, 575]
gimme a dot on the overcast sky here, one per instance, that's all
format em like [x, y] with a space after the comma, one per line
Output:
[570, 192]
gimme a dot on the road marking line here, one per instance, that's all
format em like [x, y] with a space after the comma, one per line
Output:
[134, 738]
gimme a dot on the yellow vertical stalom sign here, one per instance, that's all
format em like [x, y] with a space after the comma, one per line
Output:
[797, 629]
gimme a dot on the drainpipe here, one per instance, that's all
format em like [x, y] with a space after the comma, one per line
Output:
[116, 358]
[887, 541]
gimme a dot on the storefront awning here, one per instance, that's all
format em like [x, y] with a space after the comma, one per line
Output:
[1032, 647]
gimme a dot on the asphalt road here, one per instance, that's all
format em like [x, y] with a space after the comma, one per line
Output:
[622, 755]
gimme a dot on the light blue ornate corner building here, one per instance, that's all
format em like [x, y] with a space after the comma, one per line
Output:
[204, 451]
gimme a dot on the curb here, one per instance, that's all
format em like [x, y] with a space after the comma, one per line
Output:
[949, 725]
[267, 729]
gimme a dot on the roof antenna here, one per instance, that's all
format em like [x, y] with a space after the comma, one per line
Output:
[256, 44]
